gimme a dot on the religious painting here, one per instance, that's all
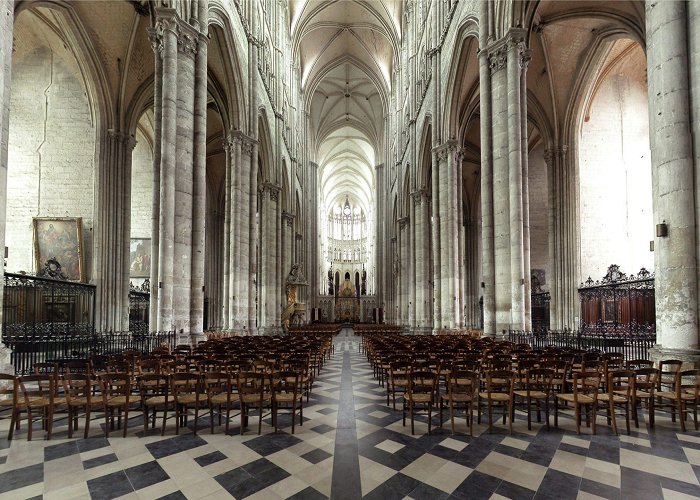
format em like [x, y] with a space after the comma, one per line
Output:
[60, 312]
[609, 311]
[60, 239]
[140, 258]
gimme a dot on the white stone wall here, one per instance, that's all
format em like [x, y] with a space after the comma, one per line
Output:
[615, 180]
[141, 188]
[51, 151]
[539, 230]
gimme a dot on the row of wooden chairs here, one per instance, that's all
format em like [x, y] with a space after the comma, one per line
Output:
[40, 397]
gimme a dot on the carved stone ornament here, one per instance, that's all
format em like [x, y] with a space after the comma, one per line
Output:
[498, 58]
[187, 44]
[155, 36]
[418, 196]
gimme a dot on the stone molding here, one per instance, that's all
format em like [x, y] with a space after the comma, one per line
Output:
[403, 221]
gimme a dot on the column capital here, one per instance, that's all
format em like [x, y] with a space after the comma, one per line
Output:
[403, 221]
[187, 39]
[288, 218]
[272, 189]
[418, 196]
[246, 142]
[379, 167]
[120, 137]
[447, 148]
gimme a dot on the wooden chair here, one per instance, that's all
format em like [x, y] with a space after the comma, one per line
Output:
[644, 391]
[498, 392]
[154, 391]
[287, 394]
[399, 376]
[37, 397]
[81, 392]
[462, 390]
[684, 399]
[221, 395]
[188, 394]
[584, 395]
[537, 388]
[635, 364]
[9, 396]
[420, 392]
[620, 393]
[117, 399]
[254, 393]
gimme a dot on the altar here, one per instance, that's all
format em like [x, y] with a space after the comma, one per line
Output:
[347, 305]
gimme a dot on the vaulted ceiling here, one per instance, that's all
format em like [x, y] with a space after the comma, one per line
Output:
[346, 49]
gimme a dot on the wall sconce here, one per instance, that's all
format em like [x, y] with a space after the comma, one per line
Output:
[662, 230]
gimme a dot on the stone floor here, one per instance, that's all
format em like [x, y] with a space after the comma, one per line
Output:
[353, 446]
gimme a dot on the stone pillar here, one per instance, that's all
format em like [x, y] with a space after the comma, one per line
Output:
[249, 286]
[693, 27]
[673, 173]
[167, 29]
[471, 303]
[380, 240]
[156, 38]
[199, 177]
[227, 292]
[435, 218]
[501, 188]
[6, 25]
[413, 282]
[488, 289]
[525, 56]
[180, 138]
[313, 260]
[450, 284]
[267, 271]
[287, 245]
[423, 323]
[515, 46]
[113, 232]
[403, 281]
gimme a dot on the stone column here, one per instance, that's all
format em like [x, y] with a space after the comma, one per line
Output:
[693, 27]
[226, 309]
[501, 190]
[420, 258]
[267, 271]
[515, 46]
[199, 177]
[313, 260]
[675, 258]
[488, 289]
[6, 26]
[167, 27]
[413, 246]
[287, 246]
[525, 56]
[404, 281]
[380, 241]
[471, 243]
[249, 285]
[436, 228]
[112, 232]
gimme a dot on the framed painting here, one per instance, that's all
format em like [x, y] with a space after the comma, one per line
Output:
[140, 258]
[60, 239]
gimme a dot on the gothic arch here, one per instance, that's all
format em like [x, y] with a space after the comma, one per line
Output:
[467, 33]
[265, 151]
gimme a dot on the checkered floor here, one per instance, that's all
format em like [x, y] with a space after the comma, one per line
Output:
[649, 463]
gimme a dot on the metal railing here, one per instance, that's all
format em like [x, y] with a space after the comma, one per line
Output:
[632, 346]
[30, 349]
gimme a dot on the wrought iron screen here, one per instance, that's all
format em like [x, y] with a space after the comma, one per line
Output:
[139, 304]
[618, 304]
[46, 306]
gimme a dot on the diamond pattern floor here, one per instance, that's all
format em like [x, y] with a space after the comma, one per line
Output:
[648, 464]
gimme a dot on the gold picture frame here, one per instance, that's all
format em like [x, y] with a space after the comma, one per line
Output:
[60, 238]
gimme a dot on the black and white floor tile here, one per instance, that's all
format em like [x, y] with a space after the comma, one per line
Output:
[352, 445]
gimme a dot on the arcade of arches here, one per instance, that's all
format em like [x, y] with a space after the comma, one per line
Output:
[438, 153]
